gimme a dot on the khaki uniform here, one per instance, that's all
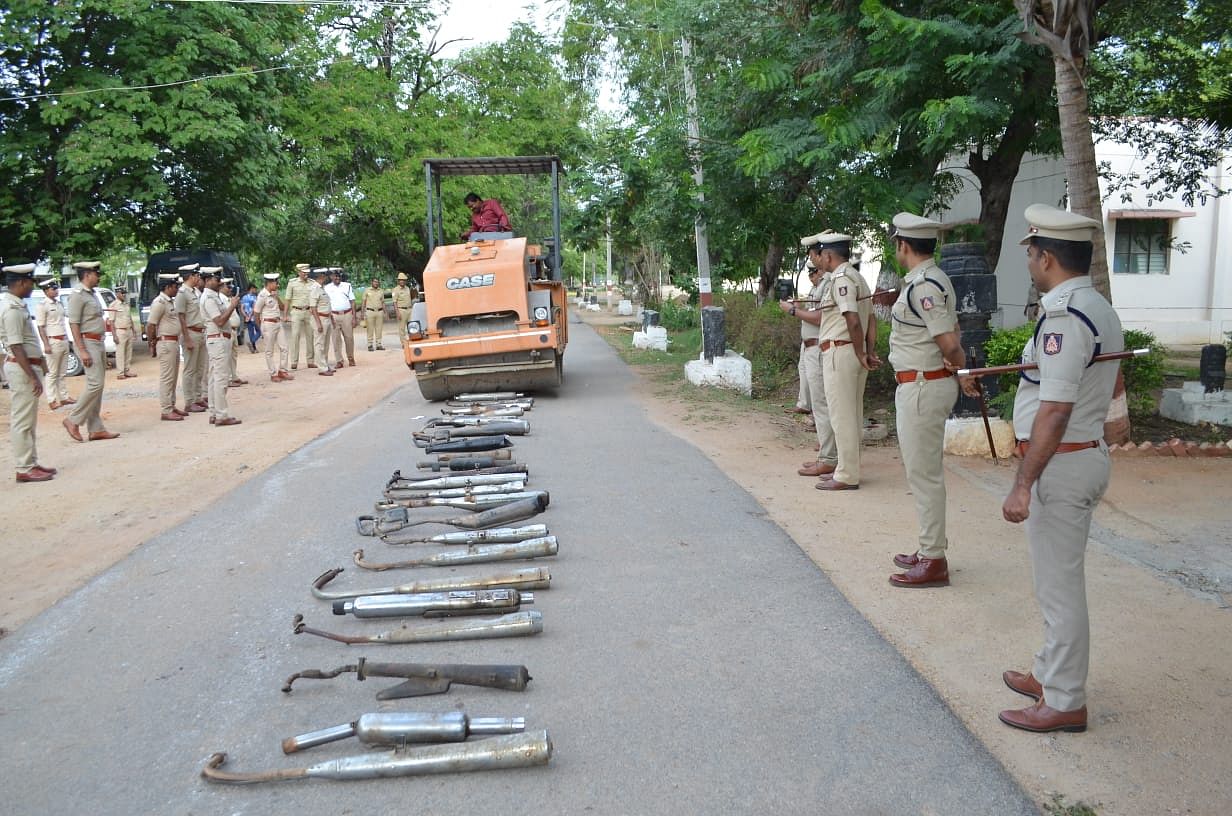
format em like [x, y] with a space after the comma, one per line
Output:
[299, 305]
[326, 334]
[165, 323]
[925, 309]
[218, 345]
[85, 312]
[16, 329]
[810, 354]
[374, 317]
[235, 325]
[188, 304]
[49, 316]
[124, 331]
[404, 297]
[267, 312]
[1077, 323]
[842, 374]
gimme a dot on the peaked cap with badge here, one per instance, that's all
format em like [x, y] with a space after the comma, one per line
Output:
[907, 225]
[1044, 221]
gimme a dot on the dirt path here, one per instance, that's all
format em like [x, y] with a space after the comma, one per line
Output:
[111, 496]
[1161, 670]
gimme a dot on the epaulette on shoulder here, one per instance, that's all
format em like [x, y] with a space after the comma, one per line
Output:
[1056, 306]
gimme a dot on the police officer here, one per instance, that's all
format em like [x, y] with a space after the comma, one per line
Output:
[269, 309]
[342, 299]
[374, 315]
[25, 383]
[404, 297]
[163, 332]
[85, 321]
[49, 319]
[120, 324]
[925, 351]
[299, 303]
[235, 325]
[847, 334]
[810, 353]
[323, 320]
[218, 343]
[1059, 413]
[192, 337]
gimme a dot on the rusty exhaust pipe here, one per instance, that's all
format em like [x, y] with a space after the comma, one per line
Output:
[527, 578]
[423, 679]
[513, 624]
[473, 554]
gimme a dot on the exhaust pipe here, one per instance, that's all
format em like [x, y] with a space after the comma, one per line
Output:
[514, 624]
[503, 455]
[397, 518]
[468, 468]
[398, 728]
[423, 679]
[526, 578]
[499, 535]
[465, 445]
[497, 753]
[472, 502]
[461, 492]
[435, 604]
[473, 554]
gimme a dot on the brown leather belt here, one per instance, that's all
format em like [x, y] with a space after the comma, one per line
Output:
[300, 308]
[196, 328]
[57, 336]
[271, 320]
[175, 338]
[911, 376]
[218, 334]
[371, 309]
[91, 336]
[34, 361]
[827, 344]
[809, 342]
[1064, 447]
[344, 311]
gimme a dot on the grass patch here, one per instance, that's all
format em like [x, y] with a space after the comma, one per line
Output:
[1058, 807]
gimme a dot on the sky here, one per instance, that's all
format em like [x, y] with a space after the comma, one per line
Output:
[485, 22]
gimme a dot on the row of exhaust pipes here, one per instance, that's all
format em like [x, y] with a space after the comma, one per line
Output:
[474, 472]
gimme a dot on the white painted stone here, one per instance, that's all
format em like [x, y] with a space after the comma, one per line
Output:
[966, 437]
[655, 337]
[625, 307]
[1191, 404]
[729, 371]
[593, 307]
[875, 431]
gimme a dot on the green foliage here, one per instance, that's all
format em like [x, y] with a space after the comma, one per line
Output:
[675, 317]
[765, 336]
[1059, 807]
[1143, 375]
[1005, 347]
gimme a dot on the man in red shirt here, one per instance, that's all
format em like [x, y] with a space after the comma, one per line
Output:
[486, 216]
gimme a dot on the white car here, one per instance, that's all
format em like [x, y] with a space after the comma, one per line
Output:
[72, 363]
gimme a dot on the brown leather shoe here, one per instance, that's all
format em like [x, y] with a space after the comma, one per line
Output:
[815, 468]
[34, 475]
[178, 412]
[68, 401]
[52, 471]
[831, 484]
[907, 561]
[275, 378]
[286, 375]
[99, 436]
[222, 423]
[329, 372]
[195, 408]
[72, 430]
[351, 362]
[928, 572]
[312, 365]
[1023, 684]
[172, 417]
[1041, 719]
[55, 405]
[294, 366]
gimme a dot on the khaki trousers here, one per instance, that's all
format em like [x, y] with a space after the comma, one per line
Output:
[236, 334]
[827, 453]
[124, 350]
[403, 316]
[218, 351]
[844, 379]
[343, 322]
[803, 400]
[921, 408]
[54, 389]
[323, 339]
[193, 380]
[302, 328]
[271, 339]
[86, 411]
[23, 417]
[168, 353]
[374, 326]
[1062, 501]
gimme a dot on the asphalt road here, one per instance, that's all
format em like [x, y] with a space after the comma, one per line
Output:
[693, 660]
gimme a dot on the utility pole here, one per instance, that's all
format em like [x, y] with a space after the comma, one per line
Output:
[609, 261]
[695, 152]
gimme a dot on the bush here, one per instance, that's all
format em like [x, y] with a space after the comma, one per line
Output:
[674, 317]
[768, 338]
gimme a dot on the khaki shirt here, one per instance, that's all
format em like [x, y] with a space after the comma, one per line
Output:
[235, 321]
[84, 311]
[807, 330]
[374, 299]
[299, 293]
[212, 306]
[16, 326]
[120, 314]
[840, 293]
[320, 304]
[1077, 323]
[49, 316]
[402, 297]
[266, 307]
[163, 316]
[925, 308]
[188, 303]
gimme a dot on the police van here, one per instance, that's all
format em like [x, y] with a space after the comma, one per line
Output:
[168, 262]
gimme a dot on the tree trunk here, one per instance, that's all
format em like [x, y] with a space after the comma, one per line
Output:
[770, 267]
[1082, 176]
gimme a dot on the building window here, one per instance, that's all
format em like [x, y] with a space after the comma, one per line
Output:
[1141, 246]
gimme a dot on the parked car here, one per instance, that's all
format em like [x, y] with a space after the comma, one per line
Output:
[72, 363]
